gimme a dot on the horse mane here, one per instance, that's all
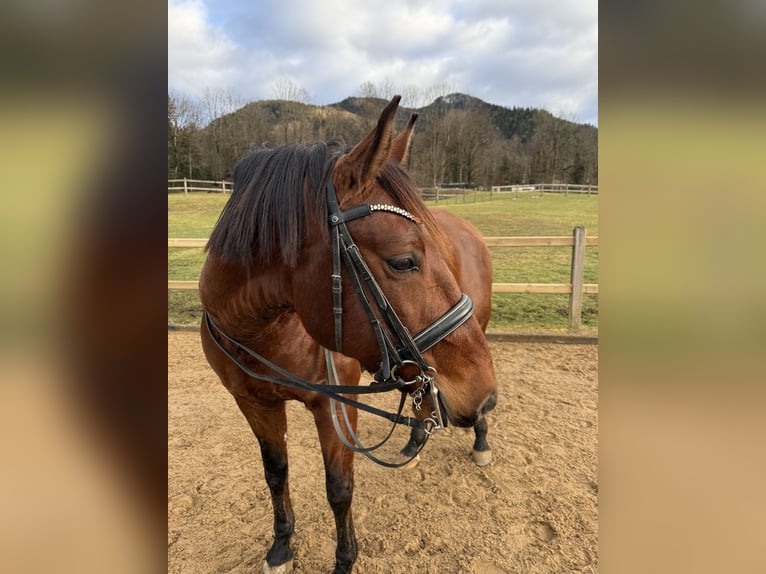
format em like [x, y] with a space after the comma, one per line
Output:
[278, 191]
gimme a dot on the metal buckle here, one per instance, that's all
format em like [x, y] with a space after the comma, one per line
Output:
[419, 378]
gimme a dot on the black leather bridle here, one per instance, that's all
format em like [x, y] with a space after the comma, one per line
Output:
[398, 347]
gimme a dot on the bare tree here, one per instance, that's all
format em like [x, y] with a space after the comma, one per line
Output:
[187, 110]
[368, 90]
[585, 170]
[184, 118]
[432, 93]
[216, 102]
[387, 88]
[428, 155]
[429, 158]
[552, 148]
[217, 105]
[294, 114]
[285, 89]
[412, 96]
[468, 135]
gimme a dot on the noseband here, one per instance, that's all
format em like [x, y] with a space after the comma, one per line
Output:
[398, 348]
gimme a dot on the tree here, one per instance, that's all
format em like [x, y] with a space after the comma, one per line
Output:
[293, 108]
[222, 150]
[367, 90]
[517, 162]
[552, 148]
[468, 136]
[289, 91]
[183, 136]
[585, 169]
[428, 155]
[456, 139]
[385, 89]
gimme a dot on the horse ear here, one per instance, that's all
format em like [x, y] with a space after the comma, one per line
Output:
[401, 144]
[364, 161]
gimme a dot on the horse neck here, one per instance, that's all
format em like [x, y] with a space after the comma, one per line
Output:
[245, 302]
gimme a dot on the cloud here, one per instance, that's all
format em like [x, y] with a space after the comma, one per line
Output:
[200, 55]
[508, 52]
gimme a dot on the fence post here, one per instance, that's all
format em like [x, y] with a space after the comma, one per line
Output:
[223, 186]
[578, 274]
[186, 191]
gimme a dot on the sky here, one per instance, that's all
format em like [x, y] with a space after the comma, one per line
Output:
[525, 53]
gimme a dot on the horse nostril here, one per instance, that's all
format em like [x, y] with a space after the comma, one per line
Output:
[489, 404]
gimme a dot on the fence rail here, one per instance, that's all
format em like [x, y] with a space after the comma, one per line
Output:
[433, 194]
[445, 193]
[187, 185]
[576, 288]
[547, 188]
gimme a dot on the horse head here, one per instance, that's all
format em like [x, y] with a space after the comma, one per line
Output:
[408, 256]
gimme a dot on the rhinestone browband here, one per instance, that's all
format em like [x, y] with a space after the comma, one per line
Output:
[394, 209]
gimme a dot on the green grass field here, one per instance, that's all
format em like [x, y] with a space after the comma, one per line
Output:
[506, 215]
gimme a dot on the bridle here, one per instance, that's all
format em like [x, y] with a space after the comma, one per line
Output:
[398, 348]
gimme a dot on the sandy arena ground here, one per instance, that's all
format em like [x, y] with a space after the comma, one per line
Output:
[533, 510]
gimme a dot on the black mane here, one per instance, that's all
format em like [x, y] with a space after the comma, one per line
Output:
[275, 192]
[278, 191]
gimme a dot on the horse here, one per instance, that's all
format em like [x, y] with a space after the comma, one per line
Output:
[275, 297]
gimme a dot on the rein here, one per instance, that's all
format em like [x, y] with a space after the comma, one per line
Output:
[403, 350]
[289, 380]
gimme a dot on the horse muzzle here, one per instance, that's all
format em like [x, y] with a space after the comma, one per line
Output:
[468, 421]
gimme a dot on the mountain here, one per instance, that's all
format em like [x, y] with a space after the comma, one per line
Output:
[519, 121]
[458, 137]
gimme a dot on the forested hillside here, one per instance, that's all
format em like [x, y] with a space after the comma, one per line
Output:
[458, 138]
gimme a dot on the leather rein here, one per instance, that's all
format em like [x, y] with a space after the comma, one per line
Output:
[397, 346]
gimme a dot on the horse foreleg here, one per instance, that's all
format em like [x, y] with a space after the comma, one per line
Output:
[269, 423]
[339, 483]
[413, 446]
[481, 453]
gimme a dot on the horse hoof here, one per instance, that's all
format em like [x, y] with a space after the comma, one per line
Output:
[481, 457]
[285, 568]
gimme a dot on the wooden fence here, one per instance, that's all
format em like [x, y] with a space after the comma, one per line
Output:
[433, 194]
[443, 193]
[576, 288]
[187, 185]
[546, 188]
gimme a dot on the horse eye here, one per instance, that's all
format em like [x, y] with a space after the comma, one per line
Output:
[403, 264]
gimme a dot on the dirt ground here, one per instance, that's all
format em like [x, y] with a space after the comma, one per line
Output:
[532, 510]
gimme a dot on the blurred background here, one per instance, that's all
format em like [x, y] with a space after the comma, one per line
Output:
[82, 297]
[682, 265]
[83, 338]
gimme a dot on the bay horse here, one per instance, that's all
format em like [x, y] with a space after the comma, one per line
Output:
[275, 297]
